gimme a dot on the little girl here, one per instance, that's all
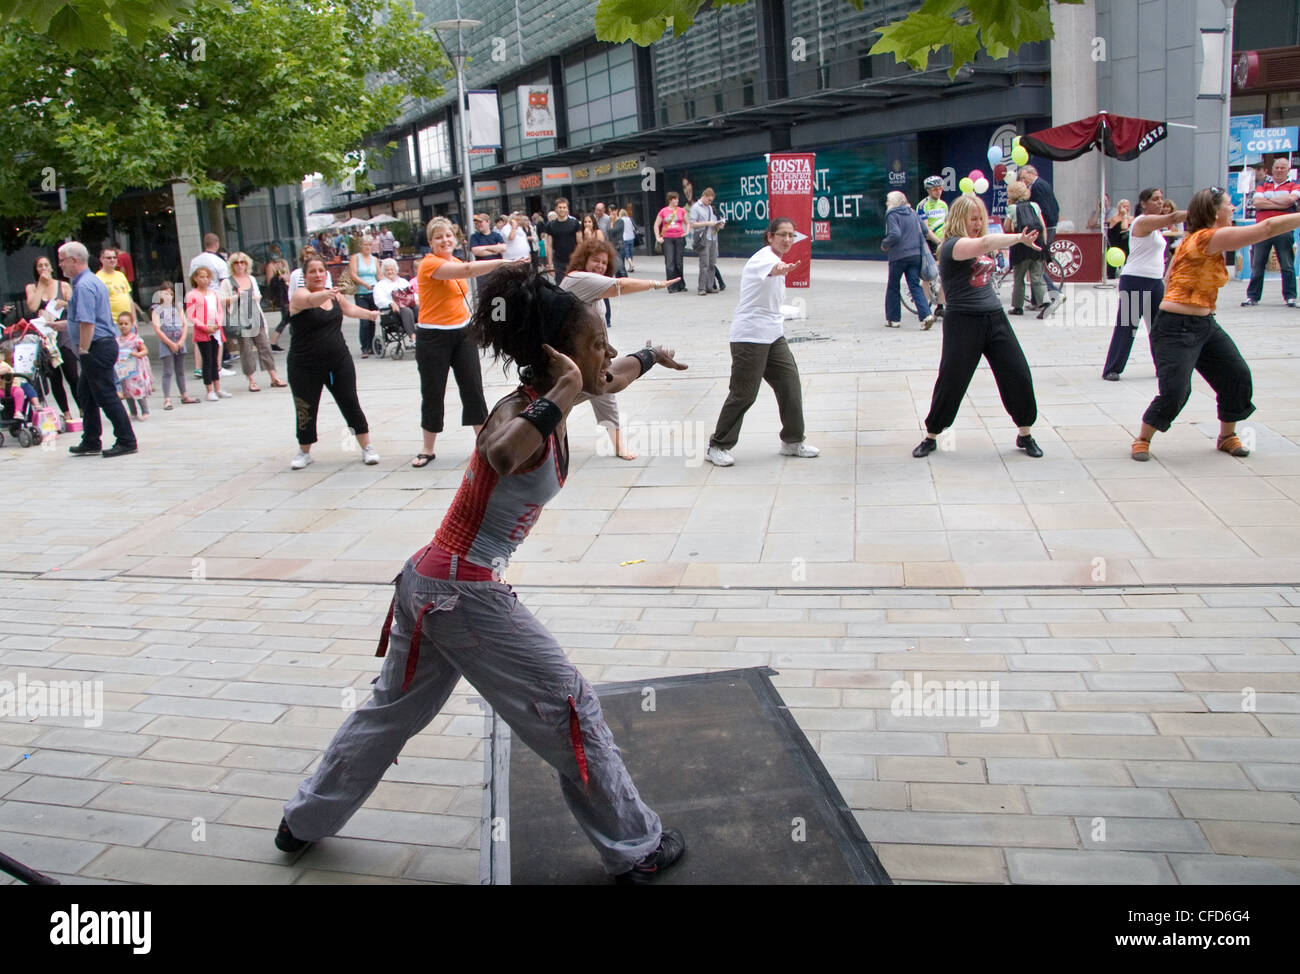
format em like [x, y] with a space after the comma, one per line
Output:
[203, 308]
[134, 380]
[171, 327]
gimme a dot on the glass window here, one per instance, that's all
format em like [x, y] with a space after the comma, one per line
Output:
[576, 92]
[599, 111]
[622, 77]
[598, 85]
[578, 117]
[623, 105]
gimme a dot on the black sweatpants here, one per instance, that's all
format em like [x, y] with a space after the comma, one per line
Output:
[1182, 344]
[330, 368]
[1139, 297]
[436, 351]
[966, 337]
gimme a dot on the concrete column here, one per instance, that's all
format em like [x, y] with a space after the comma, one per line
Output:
[188, 235]
[1074, 96]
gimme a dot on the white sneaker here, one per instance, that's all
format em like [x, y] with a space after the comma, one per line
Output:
[799, 450]
[224, 395]
[719, 457]
[369, 456]
[227, 371]
[300, 461]
[212, 397]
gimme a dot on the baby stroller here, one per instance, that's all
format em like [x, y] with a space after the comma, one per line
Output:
[18, 402]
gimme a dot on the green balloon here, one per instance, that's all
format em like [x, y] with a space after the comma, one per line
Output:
[966, 186]
[1115, 257]
[1019, 155]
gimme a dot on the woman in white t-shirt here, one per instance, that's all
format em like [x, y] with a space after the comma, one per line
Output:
[759, 352]
[516, 233]
[1141, 279]
[587, 279]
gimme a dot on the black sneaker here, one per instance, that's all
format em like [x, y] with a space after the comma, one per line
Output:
[120, 450]
[672, 845]
[285, 840]
[276, 348]
[1027, 444]
[1111, 376]
[925, 448]
[81, 450]
[1016, 311]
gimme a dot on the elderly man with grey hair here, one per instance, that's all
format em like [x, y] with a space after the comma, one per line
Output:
[94, 336]
[905, 234]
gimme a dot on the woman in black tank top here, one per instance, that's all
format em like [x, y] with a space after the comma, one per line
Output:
[319, 359]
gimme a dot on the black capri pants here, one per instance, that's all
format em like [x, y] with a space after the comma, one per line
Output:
[1182, 344]
[967, 336]
[210, 357]
[313, 371]
[436, 351]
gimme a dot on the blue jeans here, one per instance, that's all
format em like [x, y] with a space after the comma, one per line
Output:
[1139, 297]
[911, 267]
[96, 390]
[366, 300]
[1284, 244]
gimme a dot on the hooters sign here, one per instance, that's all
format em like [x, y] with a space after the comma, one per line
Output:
[790, 195]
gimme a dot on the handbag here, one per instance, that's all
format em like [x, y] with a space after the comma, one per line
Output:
[403, 298]
[929, 266]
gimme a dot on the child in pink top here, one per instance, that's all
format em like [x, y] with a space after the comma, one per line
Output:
[203, 307]
[134, 379]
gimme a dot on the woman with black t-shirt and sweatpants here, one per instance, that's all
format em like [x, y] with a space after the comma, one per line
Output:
[975, 326]
[319, 359]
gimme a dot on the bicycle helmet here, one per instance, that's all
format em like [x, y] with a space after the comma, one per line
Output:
[933, 181]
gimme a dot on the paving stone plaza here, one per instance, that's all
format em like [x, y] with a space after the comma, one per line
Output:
[1140, 622]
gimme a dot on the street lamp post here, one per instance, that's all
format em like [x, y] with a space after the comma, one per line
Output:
[458, 59]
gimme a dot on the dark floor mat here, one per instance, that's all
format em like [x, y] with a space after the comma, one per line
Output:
[718, 757]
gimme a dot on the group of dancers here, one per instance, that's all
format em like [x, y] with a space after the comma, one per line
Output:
[451, 614]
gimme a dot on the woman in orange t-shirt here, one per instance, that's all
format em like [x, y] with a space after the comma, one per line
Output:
[442, 340]
[1186, 338]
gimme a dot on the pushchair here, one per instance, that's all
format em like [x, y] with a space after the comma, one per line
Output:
[24, 384]
[18, 402]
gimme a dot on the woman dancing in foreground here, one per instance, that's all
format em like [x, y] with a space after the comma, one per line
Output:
[452, 617]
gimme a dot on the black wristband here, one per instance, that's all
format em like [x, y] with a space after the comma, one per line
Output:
[543, 414]
[647, 358]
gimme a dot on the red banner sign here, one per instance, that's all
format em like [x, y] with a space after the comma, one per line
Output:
[1076, 258]
[790, 195]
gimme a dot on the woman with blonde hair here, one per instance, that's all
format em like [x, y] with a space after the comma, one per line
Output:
[975, 326]
[442, 343]
[243, 301]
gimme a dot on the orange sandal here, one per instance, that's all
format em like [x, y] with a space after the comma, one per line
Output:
[1141, 450]
[1232, 445]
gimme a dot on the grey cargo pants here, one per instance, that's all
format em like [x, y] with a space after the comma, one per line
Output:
[479, 630]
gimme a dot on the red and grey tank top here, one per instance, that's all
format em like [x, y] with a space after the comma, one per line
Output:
[491, 514]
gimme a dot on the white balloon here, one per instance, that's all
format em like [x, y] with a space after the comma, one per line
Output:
[1011, 177]
[981, 186]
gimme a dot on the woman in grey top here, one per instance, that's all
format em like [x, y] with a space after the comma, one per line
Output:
[905, 235]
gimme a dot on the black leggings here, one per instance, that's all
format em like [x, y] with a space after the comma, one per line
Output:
[70, 370]
[436, 351]
[312, 371]
[1182, 344]
[210, 357]
[1139, 297]
[966, 337]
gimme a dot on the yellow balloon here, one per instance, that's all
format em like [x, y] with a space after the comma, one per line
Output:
[966, 184]
[1019, 155]
[1115, 257]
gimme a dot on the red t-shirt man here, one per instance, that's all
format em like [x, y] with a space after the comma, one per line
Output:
[1277, 190]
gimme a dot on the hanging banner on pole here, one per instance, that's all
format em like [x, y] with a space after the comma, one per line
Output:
[484, 122]
[536, 111]
[790, 195]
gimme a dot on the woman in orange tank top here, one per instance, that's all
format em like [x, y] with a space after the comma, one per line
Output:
[1185, 337]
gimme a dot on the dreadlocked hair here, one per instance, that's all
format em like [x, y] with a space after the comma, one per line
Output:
[518, 311]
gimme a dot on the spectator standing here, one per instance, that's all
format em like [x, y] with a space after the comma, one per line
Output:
[243, 311]
[49, 297]
[706, 224]
[211, 258]
[561, 236]
[904, 241]
[1040, 192]
[602, 219]
[516, 237]
[171, 327]
[363, 268]
[204, 309]
[119, 288]
[1274, 197]
[124, 262]
[134, 379]
[1022, 214]
[485, 243]
[90, 326]
[387, 244]
[670, 233]
[624, 238]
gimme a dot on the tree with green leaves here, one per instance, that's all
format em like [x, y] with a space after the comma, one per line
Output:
[963, 27]
[256, 94]
[92, 25]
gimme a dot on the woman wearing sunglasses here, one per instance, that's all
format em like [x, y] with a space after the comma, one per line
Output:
[1186, 337]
